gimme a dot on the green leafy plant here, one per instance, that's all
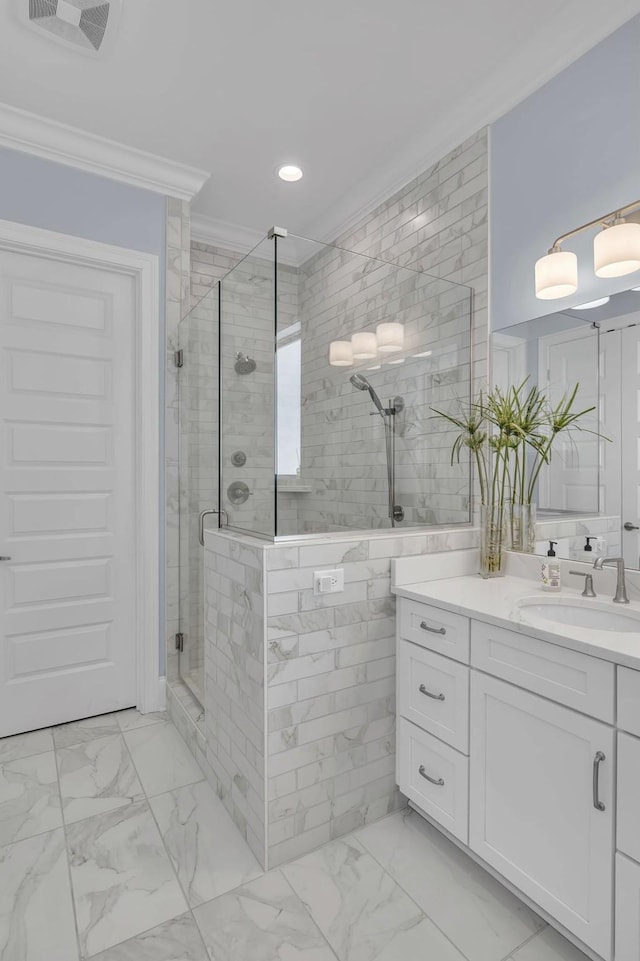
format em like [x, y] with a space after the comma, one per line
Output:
[510, 434]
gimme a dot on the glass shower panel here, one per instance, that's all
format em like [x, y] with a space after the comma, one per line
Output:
[247, 399]
[359, 447]
[198, 474]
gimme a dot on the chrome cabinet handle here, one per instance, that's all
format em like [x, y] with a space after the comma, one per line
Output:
[436, 697]
[204, 514]
[431, 780]
[597, 803]
[434, 630]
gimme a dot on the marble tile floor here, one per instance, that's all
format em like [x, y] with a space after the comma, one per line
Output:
[113, 847]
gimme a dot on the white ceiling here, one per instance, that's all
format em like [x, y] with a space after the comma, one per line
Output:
[363, 94]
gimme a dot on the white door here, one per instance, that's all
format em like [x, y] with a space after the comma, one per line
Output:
[533, 813]
[570, 482]
[67, 474]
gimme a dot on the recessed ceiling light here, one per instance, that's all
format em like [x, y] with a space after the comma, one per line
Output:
[290, 173]
[592, 303]
[424, 353]
[399, 361]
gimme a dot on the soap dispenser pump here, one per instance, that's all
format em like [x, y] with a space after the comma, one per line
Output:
[588, 546]
[551, 570]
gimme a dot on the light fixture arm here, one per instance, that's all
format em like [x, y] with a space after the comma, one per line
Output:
[602, 221]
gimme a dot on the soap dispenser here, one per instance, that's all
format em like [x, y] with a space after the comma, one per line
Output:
[588, 546]
[551, 570]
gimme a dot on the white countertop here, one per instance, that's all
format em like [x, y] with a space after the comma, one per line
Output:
[494, 600]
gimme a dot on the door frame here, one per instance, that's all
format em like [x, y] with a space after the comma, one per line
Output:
[144, 269]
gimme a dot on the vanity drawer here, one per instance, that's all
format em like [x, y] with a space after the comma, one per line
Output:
[629, 700]
[447, 800]
[433, 692]
[628, 829]
[582, 682]
[440, 631]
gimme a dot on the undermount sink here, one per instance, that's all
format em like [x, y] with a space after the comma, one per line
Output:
[592, 615]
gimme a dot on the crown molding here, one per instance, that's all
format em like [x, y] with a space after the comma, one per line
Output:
[222, 233]
[50, 140]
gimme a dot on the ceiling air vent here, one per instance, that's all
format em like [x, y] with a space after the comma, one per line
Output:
[87, 25]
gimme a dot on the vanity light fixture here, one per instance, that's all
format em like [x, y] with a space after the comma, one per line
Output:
[364, 345]
[390, 337]
[340, 353]
[616, 252]
[290, 173]
[600, 302]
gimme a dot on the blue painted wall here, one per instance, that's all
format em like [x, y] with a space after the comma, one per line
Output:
[565, 155]
[49, 195]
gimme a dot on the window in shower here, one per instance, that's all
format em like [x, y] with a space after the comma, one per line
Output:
[289, 376]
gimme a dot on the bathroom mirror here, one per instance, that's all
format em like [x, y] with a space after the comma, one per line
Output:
[591, 488]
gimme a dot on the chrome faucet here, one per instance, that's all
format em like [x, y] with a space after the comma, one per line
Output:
[621, 586]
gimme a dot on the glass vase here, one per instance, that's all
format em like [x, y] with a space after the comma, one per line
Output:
[522, 528]
[492, 540]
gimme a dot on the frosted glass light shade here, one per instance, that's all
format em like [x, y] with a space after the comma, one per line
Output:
[616, 250]
[340, 353]
[390, 338]
[364, 345]
[556, 275]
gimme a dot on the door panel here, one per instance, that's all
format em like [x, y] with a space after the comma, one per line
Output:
[67, 482]
[532, 812]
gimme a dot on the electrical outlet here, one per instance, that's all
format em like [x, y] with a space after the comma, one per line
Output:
[328, 582]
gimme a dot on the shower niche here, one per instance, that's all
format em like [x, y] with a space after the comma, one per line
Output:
[329, 365]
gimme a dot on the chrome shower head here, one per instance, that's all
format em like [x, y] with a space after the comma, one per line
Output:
[361, 383]
[244, 364]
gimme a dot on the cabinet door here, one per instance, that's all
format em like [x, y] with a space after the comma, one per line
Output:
[627, 909]
[535, 783]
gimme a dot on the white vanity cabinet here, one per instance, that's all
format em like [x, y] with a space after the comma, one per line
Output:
[541, 810]
[527, 727]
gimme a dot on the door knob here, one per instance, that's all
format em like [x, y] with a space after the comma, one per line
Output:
[628, 526]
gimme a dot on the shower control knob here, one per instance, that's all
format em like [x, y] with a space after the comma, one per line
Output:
[238, 458]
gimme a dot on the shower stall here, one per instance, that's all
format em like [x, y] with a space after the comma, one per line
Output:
[306, 390]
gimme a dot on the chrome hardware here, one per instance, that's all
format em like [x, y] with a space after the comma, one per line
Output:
[179, 639]
[398, 512]
[628, 526]
[4, 558]
[204, 514]
[238, 458]
[433, 630]
[431, 780]
[178, 358]
[588, 583]
[597, 803]
[620, 596]
[238, 493]
[436, 697]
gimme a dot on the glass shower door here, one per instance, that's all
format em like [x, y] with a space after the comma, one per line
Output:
[198, 474]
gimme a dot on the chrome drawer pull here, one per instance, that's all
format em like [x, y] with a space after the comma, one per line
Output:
[436, 697]
[434, 630]
[431, 780]
[597, 803]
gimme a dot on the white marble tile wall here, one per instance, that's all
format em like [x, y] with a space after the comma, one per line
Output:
[234, 682]
[438, 224]
[323, 670]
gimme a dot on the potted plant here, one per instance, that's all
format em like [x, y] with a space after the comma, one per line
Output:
[510, 434]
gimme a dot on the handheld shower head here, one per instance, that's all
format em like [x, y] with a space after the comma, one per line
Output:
[361, 383]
